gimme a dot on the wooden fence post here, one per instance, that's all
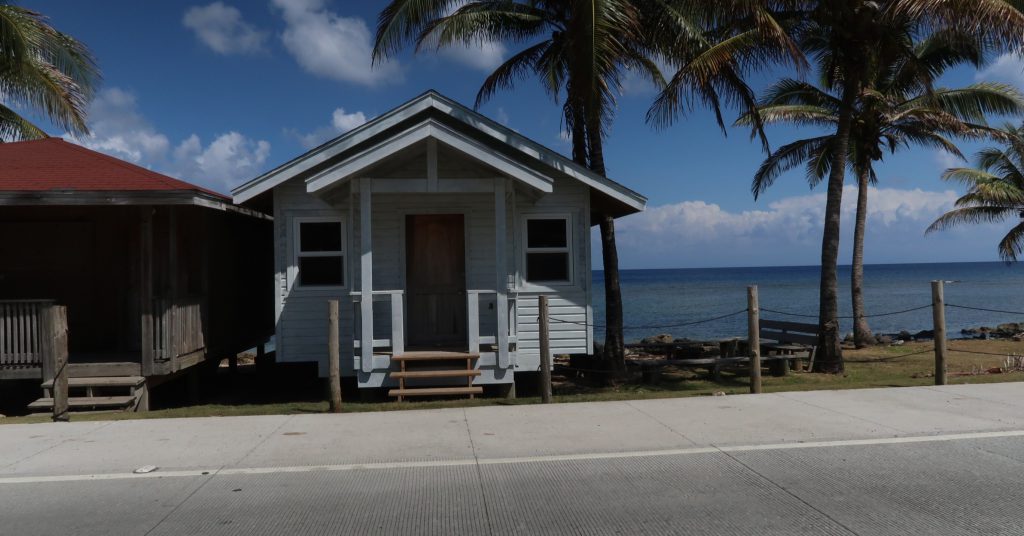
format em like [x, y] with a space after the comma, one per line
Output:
[939, 331]
[545, 350]
[59, 336]
[334, 355]
[754, 338]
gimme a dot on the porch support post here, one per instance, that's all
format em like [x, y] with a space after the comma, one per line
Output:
[501, 272]
[366, 274]
[146, 288]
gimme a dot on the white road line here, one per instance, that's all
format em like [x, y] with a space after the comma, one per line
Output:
[505, 461]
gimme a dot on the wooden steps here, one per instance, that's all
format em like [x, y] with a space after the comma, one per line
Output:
[434, 356]
[98, 393]
[116, 381]
[435, 374]
[87, 402]
[434, 391]
[435, 365]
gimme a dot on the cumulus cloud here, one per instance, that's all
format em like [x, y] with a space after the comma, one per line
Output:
[332, 46]
[1007, 68]
[221, 28]
[788, 231]
[118, 129]
[341, 122]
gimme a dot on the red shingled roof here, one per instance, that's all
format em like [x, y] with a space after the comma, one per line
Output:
[52, 164]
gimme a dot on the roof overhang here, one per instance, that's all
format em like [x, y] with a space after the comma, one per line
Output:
[429, 129]
[625, 201]
[120, 198]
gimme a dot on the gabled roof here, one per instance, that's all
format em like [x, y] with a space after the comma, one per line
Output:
[55, 169]
[434, 115]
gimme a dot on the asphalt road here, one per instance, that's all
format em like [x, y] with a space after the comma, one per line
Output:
[895, 461]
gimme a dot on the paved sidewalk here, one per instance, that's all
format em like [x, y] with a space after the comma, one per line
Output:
[879, 461]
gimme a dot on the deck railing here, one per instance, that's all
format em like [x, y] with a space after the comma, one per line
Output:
[177, 327]
[396, 299]
[22, 324]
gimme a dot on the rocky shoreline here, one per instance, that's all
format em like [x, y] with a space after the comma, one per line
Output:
[1009, 331]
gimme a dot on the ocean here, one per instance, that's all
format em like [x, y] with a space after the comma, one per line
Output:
[655, 298]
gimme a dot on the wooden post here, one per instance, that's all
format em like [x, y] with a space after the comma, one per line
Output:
[333, 355]
[59, 337]
[148, 344]
[754, 338]
[545, 351]
[939, 327]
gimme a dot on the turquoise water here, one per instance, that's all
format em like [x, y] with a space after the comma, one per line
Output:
[660, 297]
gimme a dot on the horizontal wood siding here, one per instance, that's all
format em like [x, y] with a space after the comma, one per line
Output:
[301, 314]
[569, 305]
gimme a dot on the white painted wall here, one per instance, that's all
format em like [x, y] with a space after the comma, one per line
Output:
[302, 313]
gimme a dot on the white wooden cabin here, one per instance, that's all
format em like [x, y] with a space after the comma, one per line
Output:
[437, 229]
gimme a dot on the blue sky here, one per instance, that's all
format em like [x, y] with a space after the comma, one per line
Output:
[216, 93]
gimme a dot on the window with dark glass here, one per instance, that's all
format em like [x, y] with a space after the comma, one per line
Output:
[547, 250]
[321, 255]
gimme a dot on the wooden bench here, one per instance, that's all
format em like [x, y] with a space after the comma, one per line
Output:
[793, 342]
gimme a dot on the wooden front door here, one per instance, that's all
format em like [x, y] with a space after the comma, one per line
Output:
[435, 276]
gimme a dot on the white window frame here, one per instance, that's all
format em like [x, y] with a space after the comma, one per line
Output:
[297, 252]
[568, 249]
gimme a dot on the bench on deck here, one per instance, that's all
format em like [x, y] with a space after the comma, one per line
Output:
[788, 341]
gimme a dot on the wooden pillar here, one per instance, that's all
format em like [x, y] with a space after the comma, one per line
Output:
[366, 273]
[171, 313]
[939, 328]
[501, 272]
[334, 355]
[59, 337]
[754, 338]
[146, 289]
[545, 350]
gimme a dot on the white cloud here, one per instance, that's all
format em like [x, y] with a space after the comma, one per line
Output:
[118, 129]
[332, 46]
[486, 56]
[946, 160]
[1007, 68]
[221, 28]
[788, 231]
[341, 122]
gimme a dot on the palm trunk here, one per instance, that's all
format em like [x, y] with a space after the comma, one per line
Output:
[862, 336]
[614, 345]
[830, 352]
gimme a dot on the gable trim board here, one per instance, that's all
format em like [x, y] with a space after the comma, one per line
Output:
[430, 130]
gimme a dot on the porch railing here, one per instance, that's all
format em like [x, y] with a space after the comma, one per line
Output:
[22, 325]
[177, 327]
[397, 300]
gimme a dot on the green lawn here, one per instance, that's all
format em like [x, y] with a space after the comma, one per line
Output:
[873, 367]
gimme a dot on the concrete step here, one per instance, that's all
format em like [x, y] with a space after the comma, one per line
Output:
[410, 374]
[86, 402]
[431, 391]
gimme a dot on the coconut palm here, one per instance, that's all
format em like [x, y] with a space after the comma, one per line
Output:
[580, 51]
[43, 70]
[847, 40]
[898, 110]
[995, 192]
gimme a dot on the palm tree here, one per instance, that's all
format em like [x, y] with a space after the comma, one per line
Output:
[580, 51]
[44, 70]
[847, 39]
[898, 109]
[995, 192]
